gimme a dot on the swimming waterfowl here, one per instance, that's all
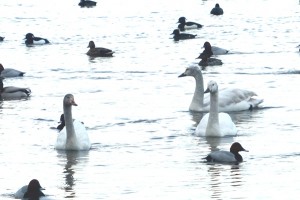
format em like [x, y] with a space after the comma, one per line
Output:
[215, 124]
[217, 10]
[87, 3]
[183, 24]
[10, 72]
[74, 135]
[62, 122]
[32, 191]
[230, 99]
[205, 57]
[228, 157]
[1, 38]
[30, 39]
[11, 92]
[182, 36]
[98, 51]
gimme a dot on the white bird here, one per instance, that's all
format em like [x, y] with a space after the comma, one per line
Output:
[215, 124]
[230, 99]
[74, 135]
[10, 72]
[218, 50]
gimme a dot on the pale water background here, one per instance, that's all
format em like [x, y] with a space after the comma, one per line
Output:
[136, 108]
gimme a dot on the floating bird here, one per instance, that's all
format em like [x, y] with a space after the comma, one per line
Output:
[228, 157]
[205, 57]
[98, 51]
[215, 124]
[13, 93]
[217, 10]
[30, 39]
[184, 25]
[1, 38]
[74, 135]
[182, 36]
[87, 3]
[230, 99]
[32, 191]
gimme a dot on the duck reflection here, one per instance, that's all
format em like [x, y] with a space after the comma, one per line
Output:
[72, 158]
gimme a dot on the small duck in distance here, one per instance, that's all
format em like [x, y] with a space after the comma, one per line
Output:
[30, 39]
[87, 3]
[184, 25]
[1, 38]
[98, 51]
[217, 10]
[182, 36]
[205, 57]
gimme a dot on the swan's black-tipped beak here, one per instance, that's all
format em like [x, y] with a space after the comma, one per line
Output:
[207, 90]
[182, 75]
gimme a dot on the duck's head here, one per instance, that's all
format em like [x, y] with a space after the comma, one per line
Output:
[217, 5]
[181, 20]
[91, 45]
[69, 100]
[29, 36]
[236, 147]
[175, 32]
[207, 46]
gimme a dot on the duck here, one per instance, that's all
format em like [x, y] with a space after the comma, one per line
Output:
[1, 38]
[215, 124]
[10, 72]
[181, 36]
[217, 10]
[98, 51]
[218, 50]
[87, 3]
[74, 135]
[230, 99]
[229, 157]
[183, 24]
[299, 47]
[30, 39]
[13, 93]
[205, 57]
[62, 122]
[32, 191]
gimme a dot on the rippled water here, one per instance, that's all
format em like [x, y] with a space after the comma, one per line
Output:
[136, 108]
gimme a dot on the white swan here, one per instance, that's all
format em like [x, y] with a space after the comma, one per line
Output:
[10, 72]
[218, 50]
[74, 135]
[230, 99]
[215, 124]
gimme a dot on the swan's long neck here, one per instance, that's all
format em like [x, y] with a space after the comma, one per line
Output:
[213, 128]
[197, 101]
[71, 136]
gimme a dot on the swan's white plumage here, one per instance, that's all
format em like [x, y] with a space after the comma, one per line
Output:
[82, 141]
[230, 99]
[215, 124]
[74, 135]
[226, 126]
